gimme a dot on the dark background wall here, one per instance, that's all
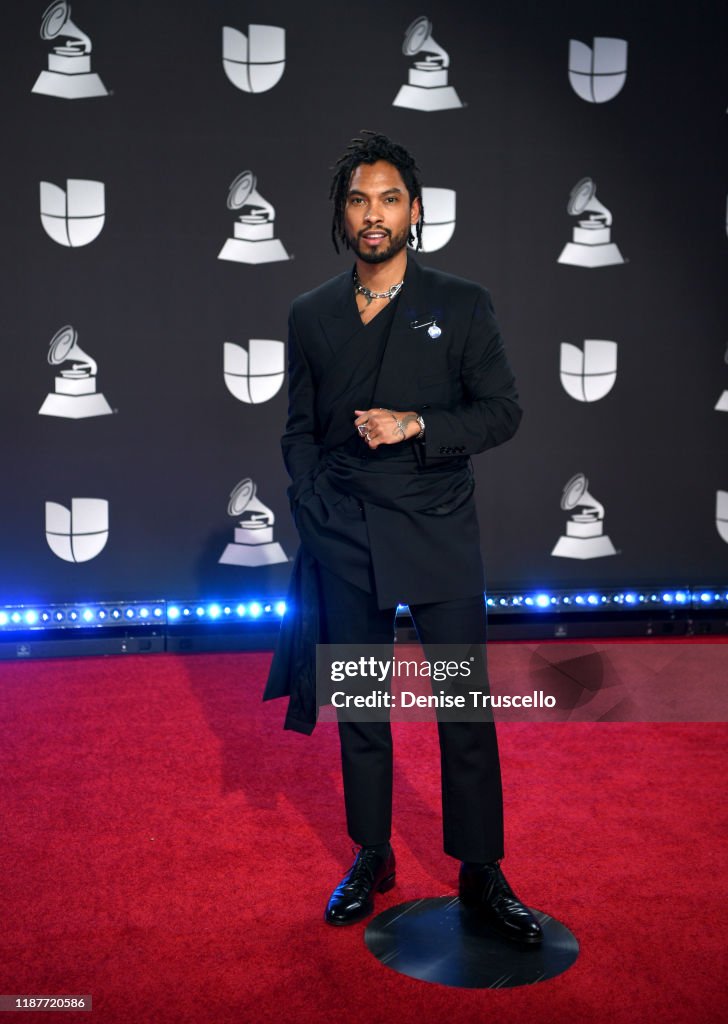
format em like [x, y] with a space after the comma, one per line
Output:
[153, 305]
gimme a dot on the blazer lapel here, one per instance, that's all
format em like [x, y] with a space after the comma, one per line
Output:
[338, 325]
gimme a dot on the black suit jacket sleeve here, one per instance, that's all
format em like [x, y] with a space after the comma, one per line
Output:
[487, 412]
[300, 441]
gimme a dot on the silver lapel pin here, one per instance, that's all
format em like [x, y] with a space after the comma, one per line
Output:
[433, 329]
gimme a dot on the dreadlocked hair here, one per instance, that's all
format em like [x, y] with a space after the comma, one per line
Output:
[367, 150]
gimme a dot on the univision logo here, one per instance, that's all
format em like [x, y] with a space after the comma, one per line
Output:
[438, 225]
[256, 62]
[80, 533]
[254, 376]
[722, 404]
[598, 73]
[75, 216]
[721, 514]
[589, 375]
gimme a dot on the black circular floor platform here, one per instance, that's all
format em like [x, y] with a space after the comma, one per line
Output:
[443, 941]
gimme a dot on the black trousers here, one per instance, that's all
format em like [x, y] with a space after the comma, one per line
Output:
[472, 799]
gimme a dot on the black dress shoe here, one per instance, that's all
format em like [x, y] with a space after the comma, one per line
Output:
[353, 899]
[484, 887]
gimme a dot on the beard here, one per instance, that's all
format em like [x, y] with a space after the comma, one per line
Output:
[386, 249]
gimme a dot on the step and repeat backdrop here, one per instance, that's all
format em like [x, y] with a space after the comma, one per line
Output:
[165, 171]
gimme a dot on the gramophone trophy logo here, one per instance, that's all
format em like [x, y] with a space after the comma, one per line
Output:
[585, 537]
[75, 396]
[721, 514]
[592, 245]
[253, 545]
[69, 75]
[256, 62]
[438, 225]
[589, 375]
[256, 375]
[427, 87]
[597, 73]
[254, 240]
[722, 404]
[77, 534]
[73, 217]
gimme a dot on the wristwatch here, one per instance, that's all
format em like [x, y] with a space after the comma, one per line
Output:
[418, 437]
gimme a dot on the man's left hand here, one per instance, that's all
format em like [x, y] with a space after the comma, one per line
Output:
[385, 426]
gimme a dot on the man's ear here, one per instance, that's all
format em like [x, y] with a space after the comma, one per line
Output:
[415, 210]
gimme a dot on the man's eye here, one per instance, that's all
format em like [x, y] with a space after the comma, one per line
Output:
[392, 199]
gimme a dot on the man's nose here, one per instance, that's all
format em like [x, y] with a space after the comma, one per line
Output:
[374, 213]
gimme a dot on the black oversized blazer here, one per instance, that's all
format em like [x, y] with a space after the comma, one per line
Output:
[461, 383]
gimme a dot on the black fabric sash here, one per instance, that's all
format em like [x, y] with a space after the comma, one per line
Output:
[398, 483]
[293, 669]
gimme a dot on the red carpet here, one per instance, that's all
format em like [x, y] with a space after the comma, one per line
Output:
[169, 849]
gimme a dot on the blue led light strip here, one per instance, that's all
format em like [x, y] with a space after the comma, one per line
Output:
[626, 600]
[141, 614]
[180, 614]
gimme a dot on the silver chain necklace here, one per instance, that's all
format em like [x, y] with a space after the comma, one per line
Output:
[369, 295]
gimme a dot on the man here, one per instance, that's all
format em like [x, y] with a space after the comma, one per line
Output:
[396, 376]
